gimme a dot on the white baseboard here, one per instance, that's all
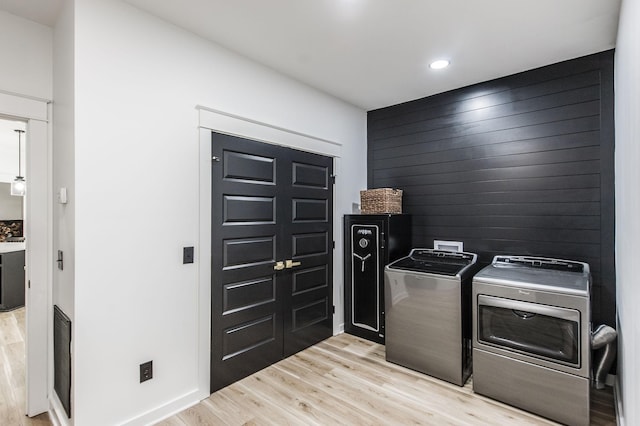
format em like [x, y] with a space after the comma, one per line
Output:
[169, 409]
[53, 417]
[58, 416]
[617, 402]
[56, 411]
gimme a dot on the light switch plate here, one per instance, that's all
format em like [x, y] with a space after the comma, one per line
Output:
[187, 255]
[62, 196]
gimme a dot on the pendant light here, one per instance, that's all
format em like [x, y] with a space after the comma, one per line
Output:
[19, 186]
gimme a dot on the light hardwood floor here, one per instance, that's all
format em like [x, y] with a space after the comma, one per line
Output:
[343, 380]
[12, 384]
[346, 380]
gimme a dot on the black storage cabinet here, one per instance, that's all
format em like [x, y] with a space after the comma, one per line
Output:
[371, 242]
[11, 280]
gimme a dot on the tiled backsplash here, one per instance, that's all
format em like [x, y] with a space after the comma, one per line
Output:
[10, 229]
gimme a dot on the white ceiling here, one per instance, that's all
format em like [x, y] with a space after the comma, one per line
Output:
[375, 53]
[44, 12]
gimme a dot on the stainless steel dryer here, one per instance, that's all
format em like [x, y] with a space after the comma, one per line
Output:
[531, 335]
[428, 313]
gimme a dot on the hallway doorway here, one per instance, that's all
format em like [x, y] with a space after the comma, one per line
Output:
[38, 245]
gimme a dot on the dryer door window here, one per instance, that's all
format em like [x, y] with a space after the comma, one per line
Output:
[541, 331]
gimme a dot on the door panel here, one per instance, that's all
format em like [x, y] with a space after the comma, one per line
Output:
[270, 204]
[310, 279]
[310, 175]
[249, 168]
[309, 314]
[310, 210]
[247, 252]
[308, 237]
[248, 294]
[245, 306]
[249, 210]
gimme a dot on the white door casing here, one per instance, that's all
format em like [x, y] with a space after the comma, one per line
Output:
[38, 232]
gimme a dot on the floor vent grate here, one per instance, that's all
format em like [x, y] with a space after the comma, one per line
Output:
[62, 358]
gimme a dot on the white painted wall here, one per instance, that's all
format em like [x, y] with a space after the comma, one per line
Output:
[137, 82]
[26, 52]
[627, 87]
[63, 156]
[10, 206]
[628, 206]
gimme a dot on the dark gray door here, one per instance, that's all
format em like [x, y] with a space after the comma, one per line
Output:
[271, 255]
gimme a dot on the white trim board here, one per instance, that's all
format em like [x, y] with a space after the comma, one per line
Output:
[167, 410]
[618, 403]
[23, 107]
[235, 125]
[202, 256]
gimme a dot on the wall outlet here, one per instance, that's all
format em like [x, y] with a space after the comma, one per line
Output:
[146, 371]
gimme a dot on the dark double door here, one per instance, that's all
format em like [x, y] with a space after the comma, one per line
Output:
[271, 255]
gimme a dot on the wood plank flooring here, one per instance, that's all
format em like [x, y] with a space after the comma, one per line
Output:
[345, 380]
[12, 373]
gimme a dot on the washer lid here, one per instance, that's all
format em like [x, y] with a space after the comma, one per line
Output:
[433, 261]
[538, 273]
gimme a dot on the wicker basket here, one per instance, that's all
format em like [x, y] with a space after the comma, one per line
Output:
[381, 200]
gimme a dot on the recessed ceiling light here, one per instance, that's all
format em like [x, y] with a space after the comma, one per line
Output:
[437, 65]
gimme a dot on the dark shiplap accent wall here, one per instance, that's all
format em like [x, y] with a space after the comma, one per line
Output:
[518, 165]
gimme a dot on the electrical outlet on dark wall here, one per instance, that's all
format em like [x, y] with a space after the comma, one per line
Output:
[146, 371]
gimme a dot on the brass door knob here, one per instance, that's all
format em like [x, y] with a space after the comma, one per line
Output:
[290, 263]
[279, 266]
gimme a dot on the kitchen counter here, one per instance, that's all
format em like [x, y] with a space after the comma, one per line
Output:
[9, 247]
